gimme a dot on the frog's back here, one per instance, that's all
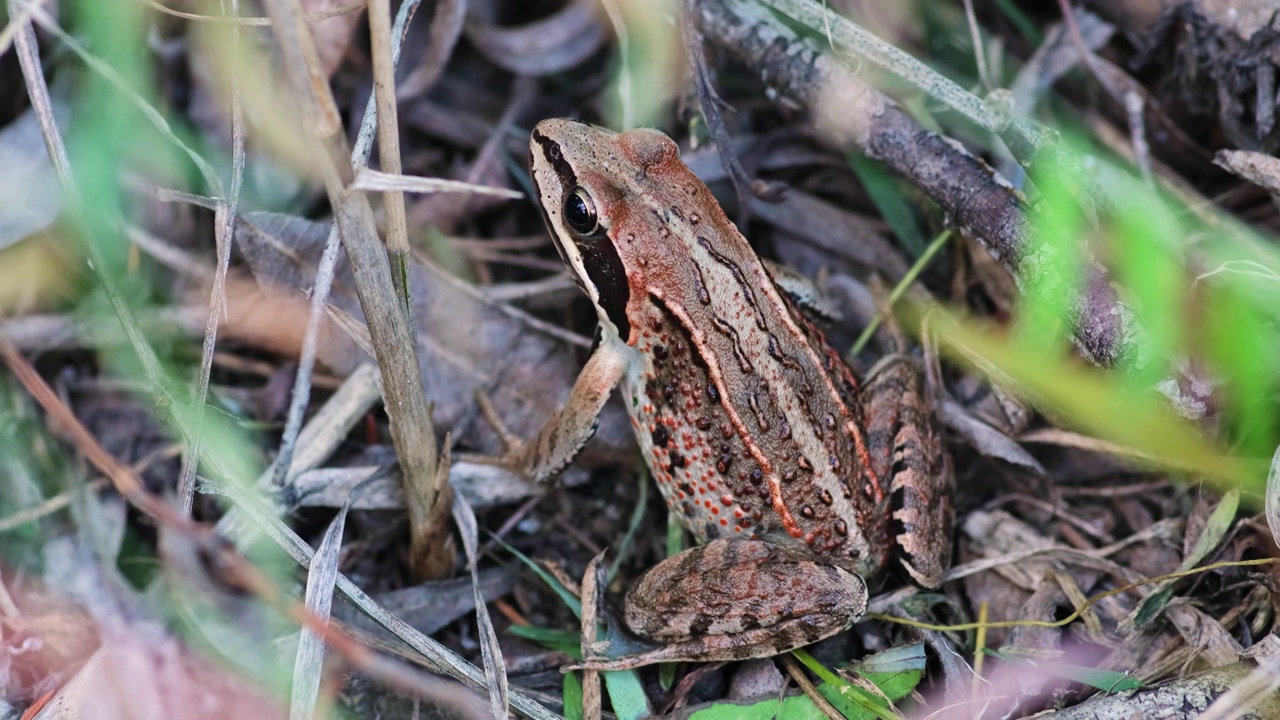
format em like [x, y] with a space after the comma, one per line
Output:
[748, 419]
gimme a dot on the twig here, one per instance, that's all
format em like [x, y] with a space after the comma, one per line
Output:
[224, 233]
[710, 103]
[393, 340]
[252, 21]
[384, 93]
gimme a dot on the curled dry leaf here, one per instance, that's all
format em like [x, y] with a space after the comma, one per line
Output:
[551, 45]
[1258, 168]
[831, 228]
[333, 35]
[986, 439]
[482, 486]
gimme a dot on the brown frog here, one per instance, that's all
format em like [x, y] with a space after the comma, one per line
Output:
[799, 479]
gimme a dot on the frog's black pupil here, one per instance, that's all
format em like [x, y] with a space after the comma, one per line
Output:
[579, 214]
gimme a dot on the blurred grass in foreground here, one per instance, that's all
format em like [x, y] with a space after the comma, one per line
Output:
[109, 140]
[1222, 322]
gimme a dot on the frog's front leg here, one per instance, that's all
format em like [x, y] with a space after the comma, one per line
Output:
[733, 600]
[904, 440]
[562, 437]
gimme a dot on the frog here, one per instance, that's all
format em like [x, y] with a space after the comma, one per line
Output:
[799, 480]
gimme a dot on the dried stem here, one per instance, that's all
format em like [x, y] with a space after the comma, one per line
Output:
[389, 329]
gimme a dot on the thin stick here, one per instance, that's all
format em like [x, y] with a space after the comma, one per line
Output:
[224, 233]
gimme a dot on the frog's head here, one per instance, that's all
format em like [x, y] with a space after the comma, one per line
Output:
[594, 186]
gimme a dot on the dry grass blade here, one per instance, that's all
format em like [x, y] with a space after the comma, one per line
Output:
[224, 224]
[551, 45]
[17, 21]
[411, 425]
[840, 32]
[592, 700]
[494, 667]
[438, 656]
[322, 575]
[252, 21]
[324, 275]
[375, 180]
[384, 95]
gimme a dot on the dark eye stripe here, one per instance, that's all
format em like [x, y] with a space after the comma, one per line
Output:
[599, 256]
[551, 150]
[604, 267]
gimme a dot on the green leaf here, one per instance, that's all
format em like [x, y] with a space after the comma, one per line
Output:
[624, 688]
[891, 200]
[563, 641]
[626, 694]
[895, 672]
[572, 697]
[1107, 681]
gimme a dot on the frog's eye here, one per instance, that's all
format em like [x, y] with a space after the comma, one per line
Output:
[580, 212]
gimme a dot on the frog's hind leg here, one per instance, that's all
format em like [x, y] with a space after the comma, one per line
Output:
[921, 477]
[737, 599]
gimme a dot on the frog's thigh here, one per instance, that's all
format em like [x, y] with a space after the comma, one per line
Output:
[732, 599]
[905, 442]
